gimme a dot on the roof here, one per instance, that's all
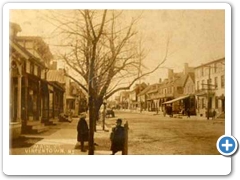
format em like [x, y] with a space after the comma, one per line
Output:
[144, 91]
[206, 64]
[176, 99]
[190, 75]
[57, 85]
[42, 46]
[56, 75]
[24, 52]
[125, 93]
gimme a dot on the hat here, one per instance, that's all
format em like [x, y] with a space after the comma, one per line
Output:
[119, 120]
[84, 115]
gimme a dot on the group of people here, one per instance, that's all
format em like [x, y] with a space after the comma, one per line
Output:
[117, 135]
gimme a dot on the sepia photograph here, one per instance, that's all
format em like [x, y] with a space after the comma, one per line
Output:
[116, 81]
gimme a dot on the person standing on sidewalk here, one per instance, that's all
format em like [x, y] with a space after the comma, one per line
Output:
[117, 137]
[83, 132]
[188, 113]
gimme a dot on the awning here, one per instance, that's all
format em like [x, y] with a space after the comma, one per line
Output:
[70, 97]
[177, 99]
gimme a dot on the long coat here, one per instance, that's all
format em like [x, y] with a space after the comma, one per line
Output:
[82, 129]
[117, 138]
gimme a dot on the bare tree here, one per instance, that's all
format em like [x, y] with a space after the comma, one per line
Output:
[101, 48]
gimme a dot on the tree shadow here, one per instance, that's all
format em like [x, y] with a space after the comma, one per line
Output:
[24, 142]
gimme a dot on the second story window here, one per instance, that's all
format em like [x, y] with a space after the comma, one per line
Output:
[209, 82]
[197, 85]
[203, 84]
[24, 67]
[31, 68]
[39, 72]
[216, 82]
[215, 67]
[222, 81]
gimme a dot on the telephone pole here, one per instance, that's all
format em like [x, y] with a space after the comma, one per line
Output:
[208, 93]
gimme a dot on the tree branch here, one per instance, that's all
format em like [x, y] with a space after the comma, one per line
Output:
[81, 85]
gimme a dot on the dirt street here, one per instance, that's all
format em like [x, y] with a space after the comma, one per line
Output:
[149, 134]
[158, 135]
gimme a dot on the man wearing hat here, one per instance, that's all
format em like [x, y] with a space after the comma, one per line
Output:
[83, 131]
[117, 137]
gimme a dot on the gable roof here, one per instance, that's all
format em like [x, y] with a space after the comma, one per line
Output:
[214, 61]
[190, 75]
[56, 75]
[144, 91]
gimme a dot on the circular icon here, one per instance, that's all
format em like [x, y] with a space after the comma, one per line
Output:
[227, 145]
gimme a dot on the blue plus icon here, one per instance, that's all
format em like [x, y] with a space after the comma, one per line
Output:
[227, 145]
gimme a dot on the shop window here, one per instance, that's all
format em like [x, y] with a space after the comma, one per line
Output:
[203, 103]
[216, 102]
[39, 72]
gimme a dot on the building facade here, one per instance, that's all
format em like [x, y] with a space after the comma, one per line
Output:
[29, 90]
[210, 87]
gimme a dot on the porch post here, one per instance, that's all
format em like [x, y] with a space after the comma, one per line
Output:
[19, 107]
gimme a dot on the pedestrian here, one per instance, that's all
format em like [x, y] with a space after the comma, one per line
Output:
[83, 132]
[214, 114]
[164, 111]
[188, 113]
[183, 112]
[117, 137]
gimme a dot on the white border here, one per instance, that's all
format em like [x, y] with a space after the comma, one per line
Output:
[106, 165]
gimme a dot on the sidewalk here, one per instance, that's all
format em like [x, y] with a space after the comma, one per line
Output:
[60, 139]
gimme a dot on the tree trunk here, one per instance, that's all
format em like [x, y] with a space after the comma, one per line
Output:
[93, 116]
[91, 127]
[97, 108]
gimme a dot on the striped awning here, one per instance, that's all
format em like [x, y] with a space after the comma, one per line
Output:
[177, 99]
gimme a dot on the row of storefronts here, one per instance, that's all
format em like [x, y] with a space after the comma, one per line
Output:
[199, 90]
[38, 91]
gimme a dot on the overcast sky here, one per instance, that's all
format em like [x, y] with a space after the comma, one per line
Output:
[196, 36]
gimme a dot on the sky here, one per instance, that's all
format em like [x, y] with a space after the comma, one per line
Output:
[195, 36]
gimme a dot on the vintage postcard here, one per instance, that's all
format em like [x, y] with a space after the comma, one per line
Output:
[150, 81]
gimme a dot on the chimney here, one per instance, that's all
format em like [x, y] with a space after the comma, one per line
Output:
[14, 29]
[170, 73]
[160, 80]
[186, 69]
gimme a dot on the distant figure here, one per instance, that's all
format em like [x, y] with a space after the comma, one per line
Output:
[183, 111]
[164, 112]
[214, 114]
[117, 137]
[83, 131]
[188, 113]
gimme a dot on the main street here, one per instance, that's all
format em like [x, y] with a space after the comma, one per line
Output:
[149, 134]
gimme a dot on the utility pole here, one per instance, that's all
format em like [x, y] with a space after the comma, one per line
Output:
[104, 113]
[208, 93]
[209, 88]
[139, 74]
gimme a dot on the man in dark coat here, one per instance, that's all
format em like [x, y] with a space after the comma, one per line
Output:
[83, 131]
[117, 137]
